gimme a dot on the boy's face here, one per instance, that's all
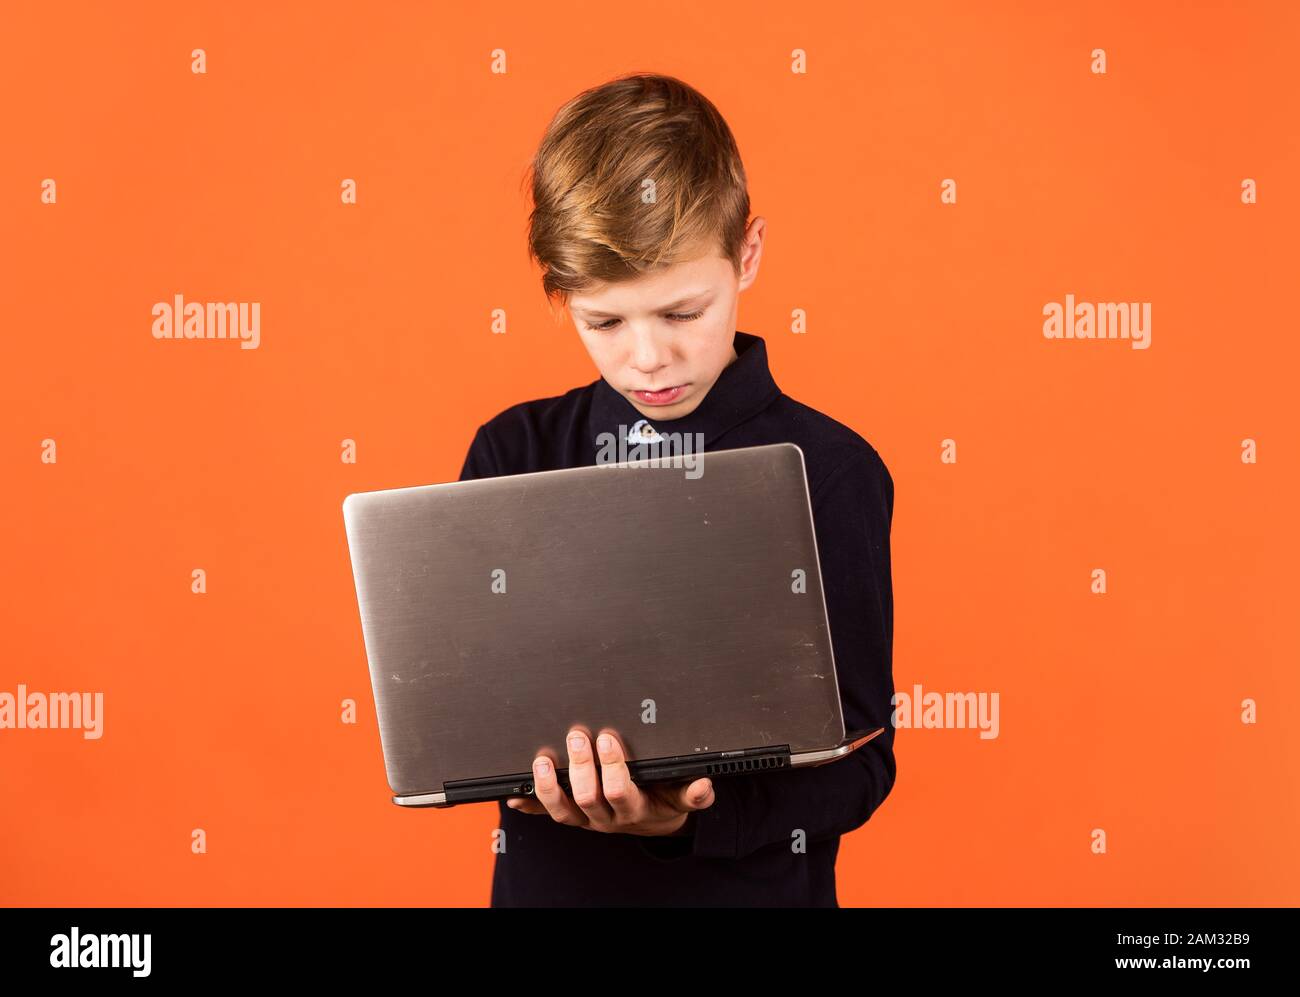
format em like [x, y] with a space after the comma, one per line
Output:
[663, 339]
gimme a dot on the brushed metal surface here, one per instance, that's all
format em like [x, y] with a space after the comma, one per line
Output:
[623, 584]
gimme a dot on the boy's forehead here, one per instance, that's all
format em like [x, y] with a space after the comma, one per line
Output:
[623, 304]
[674, 287]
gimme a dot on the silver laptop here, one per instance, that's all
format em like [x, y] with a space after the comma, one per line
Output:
[677, 601]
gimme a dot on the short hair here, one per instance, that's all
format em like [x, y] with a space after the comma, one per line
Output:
[592, 220]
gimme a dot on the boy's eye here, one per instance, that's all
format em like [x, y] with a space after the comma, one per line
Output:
[674, 316]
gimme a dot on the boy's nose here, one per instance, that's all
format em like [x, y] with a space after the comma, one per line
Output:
[649, 355]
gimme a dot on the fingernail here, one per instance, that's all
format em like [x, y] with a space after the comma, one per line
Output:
[543, 767]
[575, 742]
[605, 743]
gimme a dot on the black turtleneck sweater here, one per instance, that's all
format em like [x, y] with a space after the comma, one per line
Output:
[739, 851]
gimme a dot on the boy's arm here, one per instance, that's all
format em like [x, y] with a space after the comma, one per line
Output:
[480, 461]
[852, 515]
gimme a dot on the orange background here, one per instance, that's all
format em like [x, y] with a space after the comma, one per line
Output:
[1119, 712]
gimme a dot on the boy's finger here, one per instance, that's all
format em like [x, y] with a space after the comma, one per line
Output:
[525, 805]
[584, 780]
[551, 795]
[697, 795]
[616, 782]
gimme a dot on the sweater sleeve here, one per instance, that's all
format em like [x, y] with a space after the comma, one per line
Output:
[852, 514]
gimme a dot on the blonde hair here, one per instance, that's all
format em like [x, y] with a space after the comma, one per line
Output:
[593, 219]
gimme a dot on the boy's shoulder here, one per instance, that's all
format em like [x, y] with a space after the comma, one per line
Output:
[522, 435]
[829, 445]
[540, 412]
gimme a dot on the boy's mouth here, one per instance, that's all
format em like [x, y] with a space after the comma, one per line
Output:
[662, 397]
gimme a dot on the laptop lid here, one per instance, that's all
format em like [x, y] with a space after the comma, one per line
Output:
[680, 606]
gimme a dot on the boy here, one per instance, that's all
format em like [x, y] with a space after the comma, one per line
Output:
[652, 284]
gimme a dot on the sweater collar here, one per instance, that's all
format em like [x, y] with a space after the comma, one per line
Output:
[743, 389]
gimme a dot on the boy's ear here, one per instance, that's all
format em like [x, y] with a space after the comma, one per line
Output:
[752, 253]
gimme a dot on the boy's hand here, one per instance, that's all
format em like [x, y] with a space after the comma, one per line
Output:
[606, 799]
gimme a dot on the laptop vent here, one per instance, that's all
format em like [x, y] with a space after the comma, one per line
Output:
[745, 765]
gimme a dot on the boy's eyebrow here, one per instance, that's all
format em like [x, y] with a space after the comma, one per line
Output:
[664, 308]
